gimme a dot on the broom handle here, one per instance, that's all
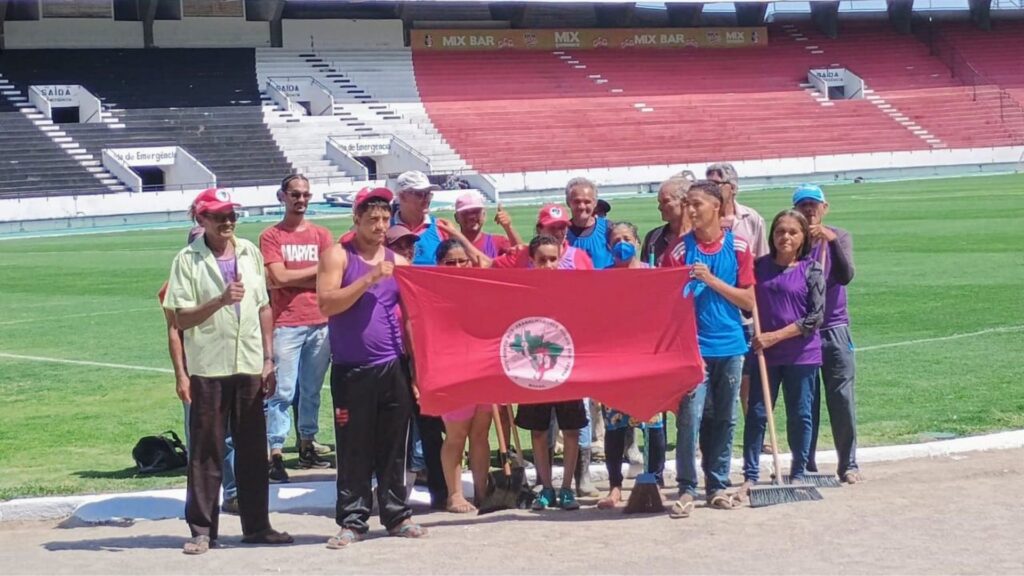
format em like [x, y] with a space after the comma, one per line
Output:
[502, 446]
[823, 256]
[766, 392]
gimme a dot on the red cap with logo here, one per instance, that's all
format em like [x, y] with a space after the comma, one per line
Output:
[213, 200]
[552, 214]
[368, 193]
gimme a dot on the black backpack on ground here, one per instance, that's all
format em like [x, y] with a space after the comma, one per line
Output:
[161, 453]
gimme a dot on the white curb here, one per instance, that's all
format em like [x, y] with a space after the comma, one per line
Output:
[319, 497]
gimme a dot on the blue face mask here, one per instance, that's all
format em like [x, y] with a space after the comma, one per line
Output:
[624, 251]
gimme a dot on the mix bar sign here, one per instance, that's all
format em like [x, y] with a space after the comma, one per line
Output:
[587, 38]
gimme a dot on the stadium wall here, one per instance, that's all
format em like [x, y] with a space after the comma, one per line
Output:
[72, 33]
[822, 169]
[341, 34]
[210, 33]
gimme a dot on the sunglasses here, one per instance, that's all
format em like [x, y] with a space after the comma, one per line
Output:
[222, 218]
[421, 194]
[300, 195]
[456, 262]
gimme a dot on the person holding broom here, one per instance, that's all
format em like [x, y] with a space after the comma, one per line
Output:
[722, 279]
[838, 367]
[618, 426]
[790, 293]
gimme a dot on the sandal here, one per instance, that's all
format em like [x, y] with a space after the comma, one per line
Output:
[681, 508]
[408, 529]
[852, 477]
[198, 545]
[722, 501]
[268, 536]
[343, 538]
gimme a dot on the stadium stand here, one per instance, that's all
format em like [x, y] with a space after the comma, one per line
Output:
[374, 93]
[205, 101]
[575, 109]
[32, 164]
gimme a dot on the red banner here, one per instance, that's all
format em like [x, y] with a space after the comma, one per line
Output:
[625, 337]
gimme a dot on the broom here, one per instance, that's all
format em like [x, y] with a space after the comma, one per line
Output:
[815, 478]
[777, 493]
[504, 487]
[645, 497]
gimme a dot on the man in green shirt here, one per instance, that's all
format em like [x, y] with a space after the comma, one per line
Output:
[218, 293]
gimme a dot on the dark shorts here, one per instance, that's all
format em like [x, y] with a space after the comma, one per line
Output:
[571, 415]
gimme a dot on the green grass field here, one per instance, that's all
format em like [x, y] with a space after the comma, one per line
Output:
[934, 259]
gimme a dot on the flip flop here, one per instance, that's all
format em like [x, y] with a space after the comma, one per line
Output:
[408, 530]
[722, 501]
[198, 545]
[343, 538]
[606, 503]
[852, 477]
[268, 536]
[681, 508]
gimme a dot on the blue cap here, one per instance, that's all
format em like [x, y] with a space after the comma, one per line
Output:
[808, 192]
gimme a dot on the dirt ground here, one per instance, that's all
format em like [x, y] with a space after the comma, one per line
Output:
[957, 515]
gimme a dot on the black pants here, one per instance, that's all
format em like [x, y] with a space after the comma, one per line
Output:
[234, 402]
[431, 435]
[372, 407]
[615, 448]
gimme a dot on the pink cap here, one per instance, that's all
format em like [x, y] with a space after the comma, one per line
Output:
[469, 201]
[368, 193]
[213, 200]
[552, 214]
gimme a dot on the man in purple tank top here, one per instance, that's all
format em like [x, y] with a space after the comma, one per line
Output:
[370, 384]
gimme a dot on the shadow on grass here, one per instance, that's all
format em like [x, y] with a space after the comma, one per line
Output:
[128, 474]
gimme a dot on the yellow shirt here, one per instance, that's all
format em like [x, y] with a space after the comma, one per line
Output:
[227, 342]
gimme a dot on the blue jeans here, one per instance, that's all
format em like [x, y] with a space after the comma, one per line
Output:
[797, 384]
[708, 411]
[301, 358]
[227, 481]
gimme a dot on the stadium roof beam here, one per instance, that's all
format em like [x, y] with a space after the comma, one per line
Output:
[268, 11]
[825, 16]
[684, 15]
[615, 15]
[3, 17]
[751, 13]
[901, 14]
[981, 13]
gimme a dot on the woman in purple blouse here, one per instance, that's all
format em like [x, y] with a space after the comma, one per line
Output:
[790, 293]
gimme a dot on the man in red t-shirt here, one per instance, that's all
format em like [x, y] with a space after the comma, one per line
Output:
[471, 213]
[291, 251]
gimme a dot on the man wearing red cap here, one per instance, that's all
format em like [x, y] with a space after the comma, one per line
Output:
[217, 290]
[373, 399]
[291, 249]
[552, 221]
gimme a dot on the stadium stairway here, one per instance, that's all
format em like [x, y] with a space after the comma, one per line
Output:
[204, 100]
[374, 93]
[35, 155]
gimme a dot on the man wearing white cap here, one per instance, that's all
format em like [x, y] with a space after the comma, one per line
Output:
[414, 195]
[470, 214]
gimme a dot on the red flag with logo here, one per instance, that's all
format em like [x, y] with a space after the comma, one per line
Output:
[625, 337]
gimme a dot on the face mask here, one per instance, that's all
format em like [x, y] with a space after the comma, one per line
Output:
[624, 251]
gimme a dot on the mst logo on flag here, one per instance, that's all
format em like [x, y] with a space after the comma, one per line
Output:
[537, 353]
[625, 337]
